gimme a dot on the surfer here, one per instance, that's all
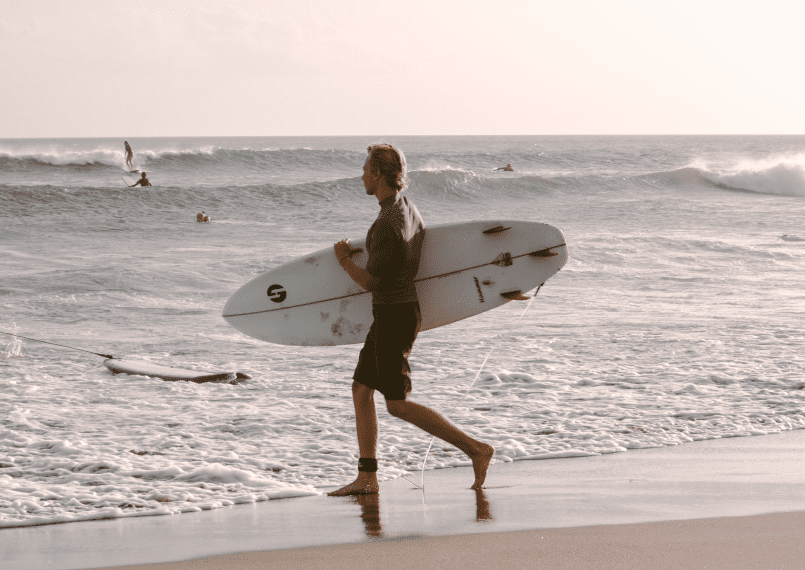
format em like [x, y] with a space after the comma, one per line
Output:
[129, 154]
[143, 181]
[507, 168]
[394, 244]
[202, 217]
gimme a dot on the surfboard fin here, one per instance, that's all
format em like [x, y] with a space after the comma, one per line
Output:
[515, 296]
[496, 230]
[544, 252]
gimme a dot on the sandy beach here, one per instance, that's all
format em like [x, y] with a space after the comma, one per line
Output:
[762, 541]
[730, 503]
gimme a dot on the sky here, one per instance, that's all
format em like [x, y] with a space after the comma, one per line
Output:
[207, 68]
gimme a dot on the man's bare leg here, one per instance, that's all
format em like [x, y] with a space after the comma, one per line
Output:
[435, 424]
[366, 423]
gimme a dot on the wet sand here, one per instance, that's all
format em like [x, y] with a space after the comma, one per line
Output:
[762, 541]
[729, 503]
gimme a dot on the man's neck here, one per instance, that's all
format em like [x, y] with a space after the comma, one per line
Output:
[384, 192]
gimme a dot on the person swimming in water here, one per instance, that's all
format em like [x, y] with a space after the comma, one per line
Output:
[143, 181]
[202, 217]
[507, 168]
[129, 154]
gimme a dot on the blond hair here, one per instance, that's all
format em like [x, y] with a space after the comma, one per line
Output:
[390, 162]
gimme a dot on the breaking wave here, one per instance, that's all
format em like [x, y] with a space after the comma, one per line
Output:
[779, 175]
[207, 157]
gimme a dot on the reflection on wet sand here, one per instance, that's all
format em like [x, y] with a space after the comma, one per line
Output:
[483, 513]
[370, 511]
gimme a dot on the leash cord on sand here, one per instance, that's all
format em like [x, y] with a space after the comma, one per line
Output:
[467, 391]
[61, 345]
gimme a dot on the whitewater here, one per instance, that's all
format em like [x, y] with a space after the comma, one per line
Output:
[677, 318]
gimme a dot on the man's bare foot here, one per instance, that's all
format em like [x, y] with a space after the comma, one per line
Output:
[365, 484]
[480, 463]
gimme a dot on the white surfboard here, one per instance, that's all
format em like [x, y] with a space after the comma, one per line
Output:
[466, 269]
[130, 180]
[131, 176]
[145, 368]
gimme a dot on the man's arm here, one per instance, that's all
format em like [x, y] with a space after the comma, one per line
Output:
[358, 275]
[371, 278]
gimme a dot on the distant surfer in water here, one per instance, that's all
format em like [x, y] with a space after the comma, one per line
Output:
[143, 181]
[507, 168]
[129, 154]
[394, 244]
[202, 217]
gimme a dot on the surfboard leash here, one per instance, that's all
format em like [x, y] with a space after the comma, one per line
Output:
[472, 384]
[54, 344]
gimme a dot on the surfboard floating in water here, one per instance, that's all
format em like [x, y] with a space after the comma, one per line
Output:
[145, 368]
[466, 268]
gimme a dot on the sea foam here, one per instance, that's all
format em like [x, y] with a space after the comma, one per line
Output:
[783, 175]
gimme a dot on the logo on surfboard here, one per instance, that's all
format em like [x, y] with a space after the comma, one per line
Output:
[276, 293]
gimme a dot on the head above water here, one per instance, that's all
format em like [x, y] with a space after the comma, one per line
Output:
[143, 174]
[390, 163]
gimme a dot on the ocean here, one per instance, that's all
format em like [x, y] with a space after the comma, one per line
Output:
[677, 318]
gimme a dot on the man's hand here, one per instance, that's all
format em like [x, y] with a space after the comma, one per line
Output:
[342, 249]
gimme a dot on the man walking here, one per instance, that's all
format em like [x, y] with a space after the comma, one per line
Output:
[394, 244]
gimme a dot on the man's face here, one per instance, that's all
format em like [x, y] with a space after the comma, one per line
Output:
[368, 181]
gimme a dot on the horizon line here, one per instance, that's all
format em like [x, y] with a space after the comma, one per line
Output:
[410, 135]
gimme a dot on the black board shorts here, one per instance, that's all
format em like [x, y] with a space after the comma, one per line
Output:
[383, 363]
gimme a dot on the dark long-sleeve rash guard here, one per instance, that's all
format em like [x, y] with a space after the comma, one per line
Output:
[394, 243]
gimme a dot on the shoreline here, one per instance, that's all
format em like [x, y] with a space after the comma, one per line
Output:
[722, 479]
[757, 541]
